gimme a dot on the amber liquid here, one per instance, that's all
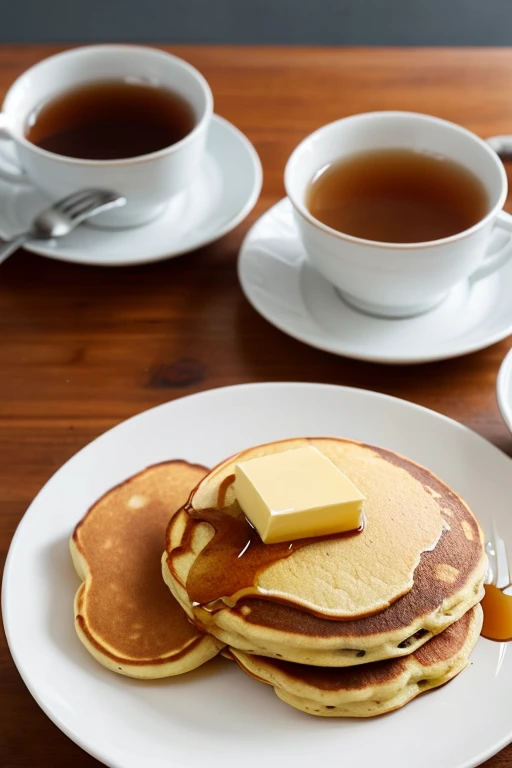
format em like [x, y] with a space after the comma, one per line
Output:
[497, 609]
[235, 556]
[110, 120]
[397, 196]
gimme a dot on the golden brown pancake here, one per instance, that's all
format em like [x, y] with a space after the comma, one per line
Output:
[339, 577]
[124, 614]
[447, 582]
[370, 689]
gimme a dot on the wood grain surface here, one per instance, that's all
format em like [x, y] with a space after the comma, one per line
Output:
[82, 348]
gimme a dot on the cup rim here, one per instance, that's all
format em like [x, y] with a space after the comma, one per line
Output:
[304, 212]
[19, 138]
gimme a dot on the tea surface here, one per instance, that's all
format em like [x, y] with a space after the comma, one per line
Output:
[397, 196]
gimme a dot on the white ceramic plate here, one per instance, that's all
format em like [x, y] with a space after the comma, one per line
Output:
[217, 716]
[286, 290]
[504, 389]
[225, 190]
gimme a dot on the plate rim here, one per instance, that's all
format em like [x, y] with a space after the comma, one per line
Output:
[502, 391]
[234, 221]
[353, 355]
[11, 554]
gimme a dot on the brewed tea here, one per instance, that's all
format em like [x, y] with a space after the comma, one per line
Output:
[110, 120]
[397, 196]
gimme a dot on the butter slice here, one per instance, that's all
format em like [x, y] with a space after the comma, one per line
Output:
[296, 494]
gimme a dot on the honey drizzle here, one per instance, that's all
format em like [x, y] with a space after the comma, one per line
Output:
[227, 568]
[497, 607]
[223, 489]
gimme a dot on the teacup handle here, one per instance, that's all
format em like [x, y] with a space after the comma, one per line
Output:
[496, 260]
[9, 167]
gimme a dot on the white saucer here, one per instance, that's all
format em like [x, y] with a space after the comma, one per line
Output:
[217, 716]
[227, 187]
[281, 284]
[504, 389]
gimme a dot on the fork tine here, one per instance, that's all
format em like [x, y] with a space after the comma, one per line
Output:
[76, 204]
[503, 569]
[502, 575]
[65, 204]
[94, 198]
[491, 557]
[82, 206]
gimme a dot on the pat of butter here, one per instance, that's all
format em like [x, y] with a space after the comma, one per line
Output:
[297, 494]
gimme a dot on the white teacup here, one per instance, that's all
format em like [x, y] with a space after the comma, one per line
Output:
[400, 280]
[148, 181]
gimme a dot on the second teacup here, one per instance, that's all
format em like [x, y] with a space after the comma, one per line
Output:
[400, 279]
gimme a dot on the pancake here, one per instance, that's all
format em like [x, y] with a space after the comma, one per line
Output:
[448, 581]
[339, 577]
[371, 689]
[124, 614]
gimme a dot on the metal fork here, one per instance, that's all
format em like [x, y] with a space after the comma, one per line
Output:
[499, 572]
[63, 216]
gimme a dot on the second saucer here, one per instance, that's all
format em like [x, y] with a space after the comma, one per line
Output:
[504, 389]
[286, 290]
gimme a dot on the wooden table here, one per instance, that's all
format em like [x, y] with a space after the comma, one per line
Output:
[83, 348]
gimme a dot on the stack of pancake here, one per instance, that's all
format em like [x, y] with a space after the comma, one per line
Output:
[347, 625]
[340, 625]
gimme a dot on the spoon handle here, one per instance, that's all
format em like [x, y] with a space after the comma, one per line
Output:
[6, 249]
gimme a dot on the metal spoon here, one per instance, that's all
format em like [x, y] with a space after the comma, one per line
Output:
[63, 216]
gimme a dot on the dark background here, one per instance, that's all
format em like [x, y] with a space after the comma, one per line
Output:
[314, 22]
